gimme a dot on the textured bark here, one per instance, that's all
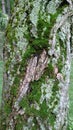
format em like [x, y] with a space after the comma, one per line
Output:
[8, 7]
[37, 66]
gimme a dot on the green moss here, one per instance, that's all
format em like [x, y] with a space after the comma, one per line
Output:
[30, 51]
[52, 119]
[9, 32]
[14, 91]
[3, 123]
[24, 103]
[30, 111]
[50, 70]
[43, 27]
[35, 91]
[55, 89]
[40, 43]
[35, 88]
[60, 63]
[43, 112]
[35, 127]
[53, 102]
[7, 108]
[35, 46]
[62, 44]
[19, 122]
[33, 112]
[19, 126]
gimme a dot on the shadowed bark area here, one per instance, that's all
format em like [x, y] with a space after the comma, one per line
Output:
[37, 66]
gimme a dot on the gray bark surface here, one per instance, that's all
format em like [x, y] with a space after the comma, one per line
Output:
[37, 66]
[3, 6]
[8, 7]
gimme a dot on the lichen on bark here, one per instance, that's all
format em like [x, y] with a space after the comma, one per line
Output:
[37, 57]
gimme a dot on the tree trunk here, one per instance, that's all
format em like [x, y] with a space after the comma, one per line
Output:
[8, 7]
[3, 6]
[37, 66]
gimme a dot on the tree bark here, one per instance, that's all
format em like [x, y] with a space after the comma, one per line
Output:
[37, 66]
[3, 7]
[8, 7]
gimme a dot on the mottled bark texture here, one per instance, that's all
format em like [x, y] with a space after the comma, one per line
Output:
[37, 66]
[8, 7]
